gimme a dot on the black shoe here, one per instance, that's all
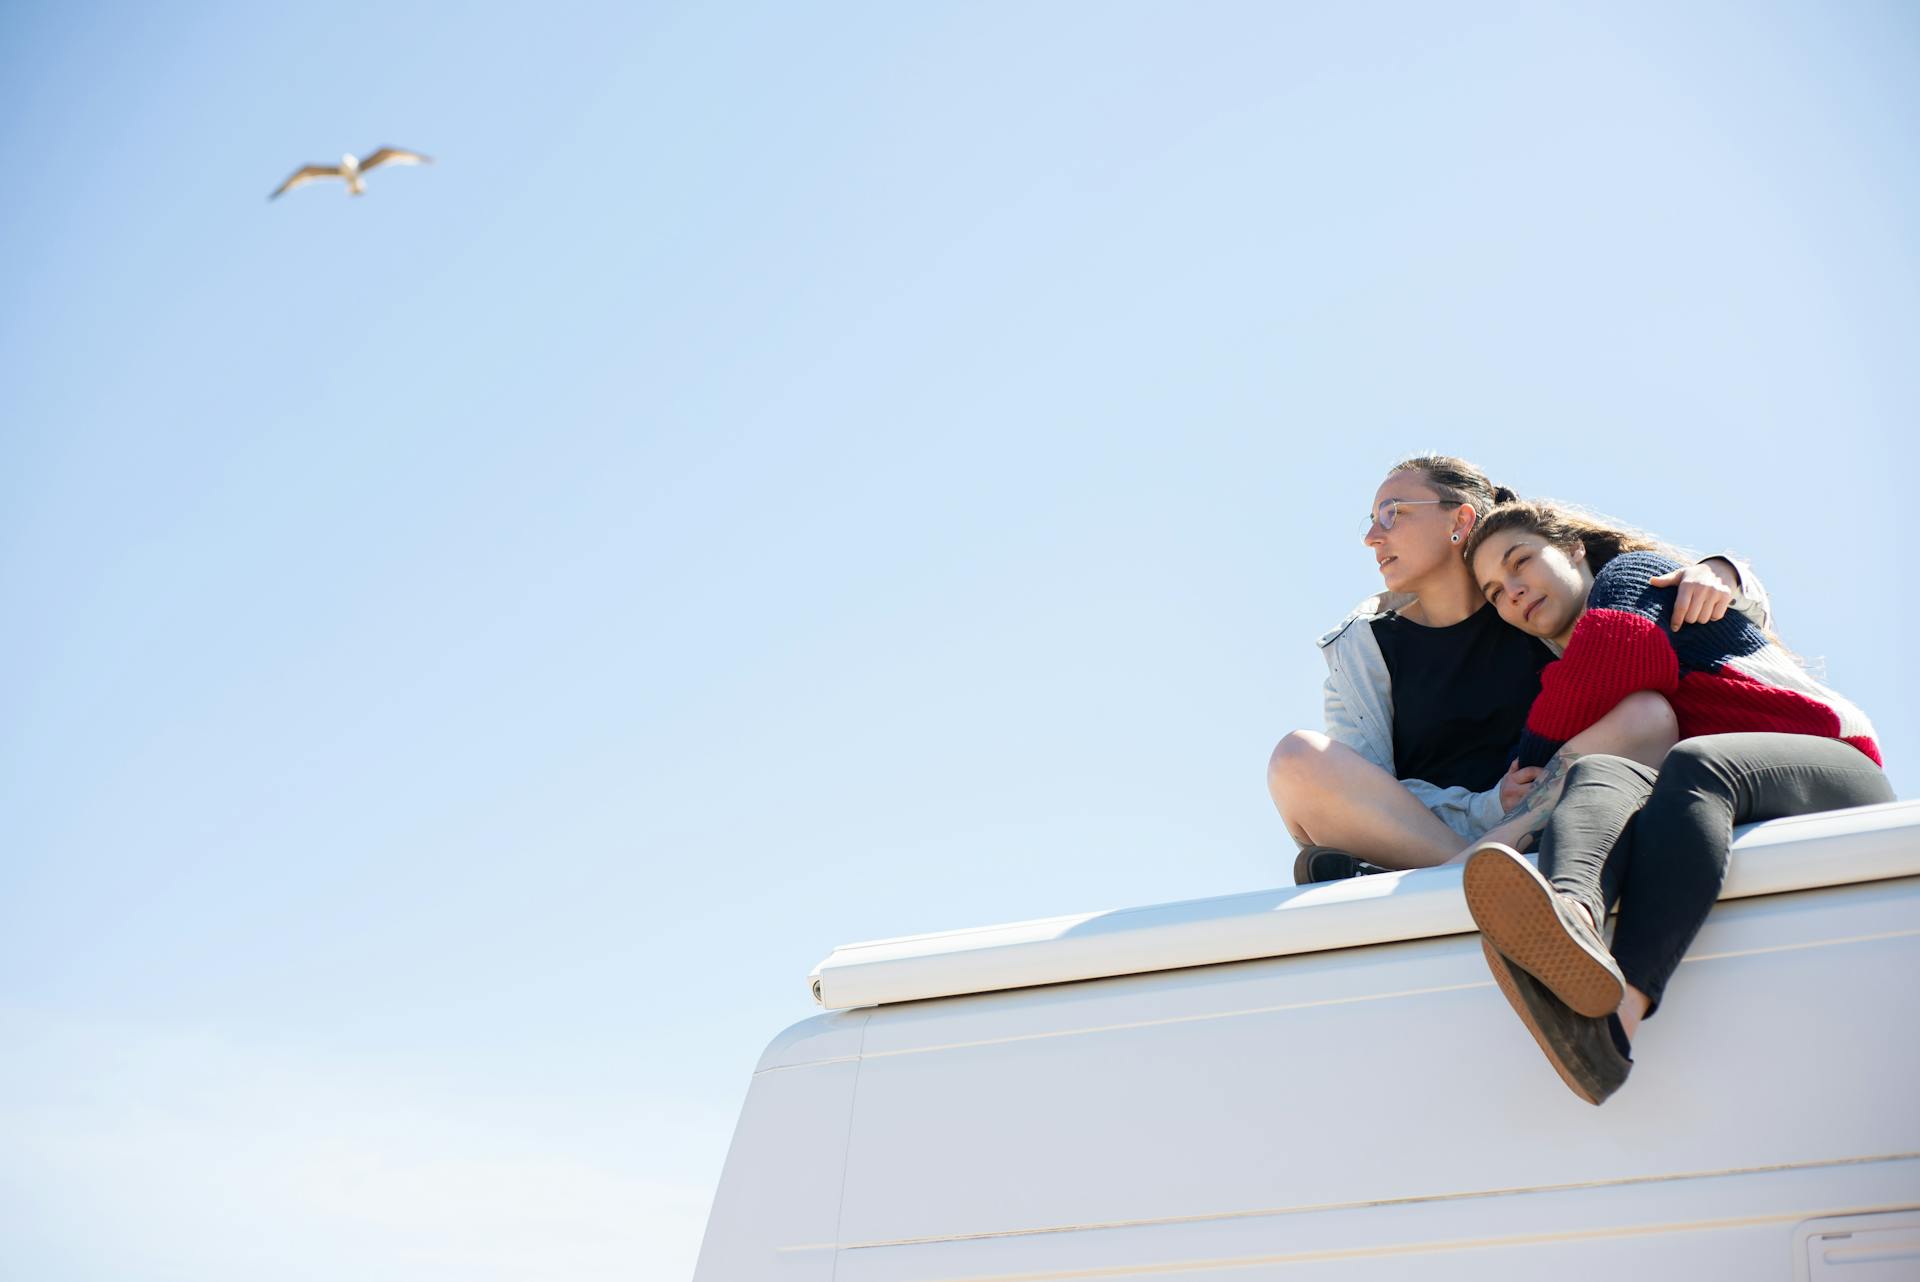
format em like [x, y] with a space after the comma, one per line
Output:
[1324, 863]
[1541, 931]
[1591, 1055]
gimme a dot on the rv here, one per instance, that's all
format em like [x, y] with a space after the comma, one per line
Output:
[1323, 1082]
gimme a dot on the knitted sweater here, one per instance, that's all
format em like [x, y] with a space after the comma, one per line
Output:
[1720, 677]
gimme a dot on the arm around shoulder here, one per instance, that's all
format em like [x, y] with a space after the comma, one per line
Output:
[1749, 593]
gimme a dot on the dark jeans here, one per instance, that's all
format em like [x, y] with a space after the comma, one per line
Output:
[1655, 843]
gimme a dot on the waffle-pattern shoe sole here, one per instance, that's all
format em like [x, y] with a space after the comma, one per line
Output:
[1510, 979]
[1514, 907]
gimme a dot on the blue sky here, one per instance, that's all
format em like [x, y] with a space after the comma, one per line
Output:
[791, 474]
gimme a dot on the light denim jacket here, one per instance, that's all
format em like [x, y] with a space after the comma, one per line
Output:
[1359, 700]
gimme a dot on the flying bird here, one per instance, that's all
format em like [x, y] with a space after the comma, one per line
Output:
[351, 170]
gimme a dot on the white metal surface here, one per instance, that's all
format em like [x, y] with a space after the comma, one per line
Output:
[1835, 848]
[1367, 1113]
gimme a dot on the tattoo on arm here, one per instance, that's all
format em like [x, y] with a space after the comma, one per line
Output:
[1532, 811]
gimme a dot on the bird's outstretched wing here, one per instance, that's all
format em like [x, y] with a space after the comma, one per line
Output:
[393, 156]
[304, 175]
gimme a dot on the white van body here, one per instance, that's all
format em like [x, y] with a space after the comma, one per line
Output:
[1323, 1081]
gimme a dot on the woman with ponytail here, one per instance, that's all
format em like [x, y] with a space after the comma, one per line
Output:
[1427, 691]
[1759, 739]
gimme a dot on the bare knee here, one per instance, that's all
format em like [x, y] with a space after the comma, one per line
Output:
[1296, 759]
[1293, 772]
[1641, 727]
[1648, 727]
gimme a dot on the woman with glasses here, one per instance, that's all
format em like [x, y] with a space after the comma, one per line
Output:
[1761, 739]
[1427, 690]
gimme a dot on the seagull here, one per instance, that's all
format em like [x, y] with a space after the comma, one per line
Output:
[351, 169]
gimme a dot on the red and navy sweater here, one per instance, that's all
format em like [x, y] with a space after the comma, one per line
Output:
[1720, 677]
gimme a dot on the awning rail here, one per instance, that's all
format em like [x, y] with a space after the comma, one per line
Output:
[1841, 847]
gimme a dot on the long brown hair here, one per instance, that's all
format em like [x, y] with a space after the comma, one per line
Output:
[1564, 527]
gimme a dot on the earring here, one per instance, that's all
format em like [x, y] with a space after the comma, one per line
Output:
[1456, 538]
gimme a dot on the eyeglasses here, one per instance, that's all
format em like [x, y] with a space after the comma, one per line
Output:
[1384, 515]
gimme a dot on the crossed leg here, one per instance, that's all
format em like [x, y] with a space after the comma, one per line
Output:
[1329, 795]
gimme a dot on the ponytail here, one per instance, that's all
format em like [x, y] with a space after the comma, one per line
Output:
[1457, 481]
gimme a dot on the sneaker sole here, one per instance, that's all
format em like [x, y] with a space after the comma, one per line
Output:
[1513, 906]
[1503, 976]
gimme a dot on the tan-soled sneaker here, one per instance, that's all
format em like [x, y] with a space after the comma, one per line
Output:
[1580, 1048]
[1540, 930]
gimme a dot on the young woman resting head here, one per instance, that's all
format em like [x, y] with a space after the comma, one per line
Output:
[1758, 739]
[1584, 587]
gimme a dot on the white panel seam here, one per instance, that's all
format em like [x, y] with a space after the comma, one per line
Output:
[1406, 1248]
[1345, 1001]
[846, 1147]
[1626, 1181]
[1794, 948]
[1184, 1019]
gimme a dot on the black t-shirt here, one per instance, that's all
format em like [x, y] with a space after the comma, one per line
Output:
[1460, 696]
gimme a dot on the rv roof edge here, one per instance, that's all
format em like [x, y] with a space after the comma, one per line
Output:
[1840, 847]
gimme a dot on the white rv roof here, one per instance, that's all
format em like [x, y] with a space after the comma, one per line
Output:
[1839, 847]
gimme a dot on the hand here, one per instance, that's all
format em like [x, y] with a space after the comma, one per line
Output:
[1514, 784]
[1703, 596]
